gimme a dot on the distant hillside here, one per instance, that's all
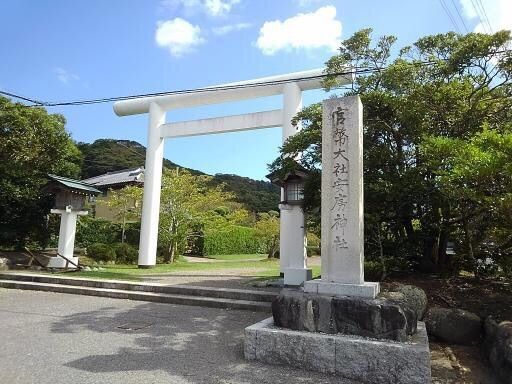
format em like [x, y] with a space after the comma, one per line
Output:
[108, 155]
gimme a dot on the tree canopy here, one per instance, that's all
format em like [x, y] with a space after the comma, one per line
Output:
[33, 143]
[437, 125]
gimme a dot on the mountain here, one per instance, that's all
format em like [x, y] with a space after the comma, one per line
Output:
[108, 155]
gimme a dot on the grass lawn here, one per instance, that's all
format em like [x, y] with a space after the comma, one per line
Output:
[264, 268]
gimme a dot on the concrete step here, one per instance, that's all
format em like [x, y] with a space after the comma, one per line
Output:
[213, 302]
[224, 293]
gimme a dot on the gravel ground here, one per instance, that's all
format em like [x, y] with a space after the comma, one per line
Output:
[228, 278]
[52, 338]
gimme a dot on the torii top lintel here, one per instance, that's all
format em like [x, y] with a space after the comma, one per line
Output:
[262, 87]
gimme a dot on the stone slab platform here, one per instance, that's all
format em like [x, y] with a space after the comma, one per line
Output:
[365, 360]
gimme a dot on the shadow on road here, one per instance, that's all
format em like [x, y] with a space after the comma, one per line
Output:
[200, 345]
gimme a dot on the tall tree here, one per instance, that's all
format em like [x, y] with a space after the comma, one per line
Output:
[188, 204]
[33, 143]
[444, 86]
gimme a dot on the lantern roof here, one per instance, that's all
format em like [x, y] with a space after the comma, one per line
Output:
[57, 183]
[281, 177]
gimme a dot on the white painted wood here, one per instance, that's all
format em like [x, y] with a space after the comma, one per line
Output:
[225, 124]
[67, 232]
[306, 80]
[293, 252]
[152, 185]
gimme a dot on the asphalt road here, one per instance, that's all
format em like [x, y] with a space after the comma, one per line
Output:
[53, 338]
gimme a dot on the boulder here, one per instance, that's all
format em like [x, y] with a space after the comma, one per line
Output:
[375, 318]
[415, 298]
[455, 326]
[412, 300]
[497, 347]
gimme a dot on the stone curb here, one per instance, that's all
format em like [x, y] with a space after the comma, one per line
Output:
[224, 293]
[366, 360]
[212, 302]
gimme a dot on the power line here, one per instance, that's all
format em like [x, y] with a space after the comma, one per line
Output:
[460, 16]
[477, 10]
[447, 11]
[37, 102]
[356, 71]
[194, 90]
[485, 14]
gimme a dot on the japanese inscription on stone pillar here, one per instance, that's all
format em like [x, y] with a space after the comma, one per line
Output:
[342, 191]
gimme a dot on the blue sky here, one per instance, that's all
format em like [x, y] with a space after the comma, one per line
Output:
[57, 50]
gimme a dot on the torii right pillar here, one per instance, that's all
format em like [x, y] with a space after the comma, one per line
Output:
[342, 202]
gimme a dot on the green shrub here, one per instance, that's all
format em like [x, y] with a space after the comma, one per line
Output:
[231, 241]
[132, 234]
[373, 270]
[125, 253]
[313, 240]
[313, 251]
[92, 230]
[101, 252]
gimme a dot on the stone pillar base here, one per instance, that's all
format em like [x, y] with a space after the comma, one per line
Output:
[367, 289]
[59, 262]
[357, 358]
[297, 276]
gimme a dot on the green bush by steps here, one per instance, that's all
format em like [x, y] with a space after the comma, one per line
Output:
[101, 252]
[120, 253]
[126, 254]
[232, 240]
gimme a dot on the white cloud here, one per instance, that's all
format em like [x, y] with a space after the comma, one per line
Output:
[498, 11]
[219, 7]
[318, 29]
[230, 28]
[65, 76]
[178, 36]
[211, 7]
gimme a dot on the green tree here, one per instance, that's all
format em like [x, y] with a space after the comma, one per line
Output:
[444, 86]
[126, 203]
[475, 176]
[33, 143]
[267, 229]
[188, 205]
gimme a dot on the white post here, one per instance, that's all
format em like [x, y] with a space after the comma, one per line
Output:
[292, 248]
[342, 202]
[67, 231]
[152, 186]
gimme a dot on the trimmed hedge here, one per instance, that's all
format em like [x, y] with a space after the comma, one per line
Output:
[231, 241]
[121, 253]
[126, 254]
[101, 252]
[91, 230]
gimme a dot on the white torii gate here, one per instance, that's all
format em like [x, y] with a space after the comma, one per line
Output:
[292, 237]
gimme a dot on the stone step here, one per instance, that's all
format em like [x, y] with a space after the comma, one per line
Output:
[223, 293]
[213, 302]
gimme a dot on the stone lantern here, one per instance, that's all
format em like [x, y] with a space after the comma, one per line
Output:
[70, 198]
[293, 242]
[292, 184]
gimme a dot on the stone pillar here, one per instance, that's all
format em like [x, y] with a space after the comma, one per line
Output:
[67, 231]
[152, 185]
[342, 202]
[292, 246]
